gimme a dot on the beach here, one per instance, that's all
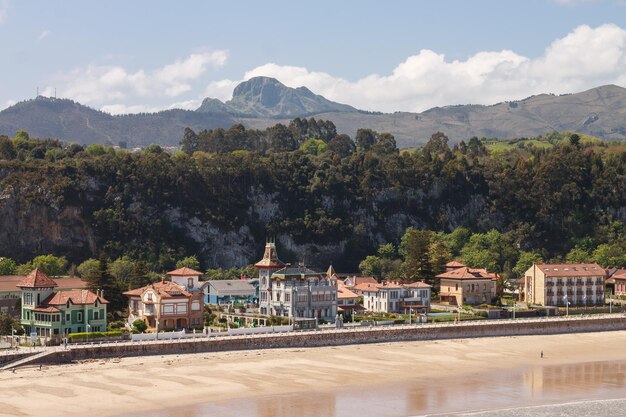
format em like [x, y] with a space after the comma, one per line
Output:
[434, 376]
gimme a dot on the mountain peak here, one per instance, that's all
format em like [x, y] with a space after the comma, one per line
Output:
[268, 97]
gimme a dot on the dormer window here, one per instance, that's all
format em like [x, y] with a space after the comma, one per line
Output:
[189, 282]
[67, 304]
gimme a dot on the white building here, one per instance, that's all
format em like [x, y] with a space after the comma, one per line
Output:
[393, 297]
[294, 291]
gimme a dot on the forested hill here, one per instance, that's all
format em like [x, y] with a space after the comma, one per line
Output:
[330, 200]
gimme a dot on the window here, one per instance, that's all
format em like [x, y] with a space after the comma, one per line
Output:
[28, 298]
[189, 282]
[95, 315]
[68, 318]
[79, 316]
[195, 305]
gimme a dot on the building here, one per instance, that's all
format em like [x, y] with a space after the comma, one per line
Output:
[10, 294]
[187, 278]
[461, 285]
[166, 305]
[49, 312]
[394, 297]
[236, 291]
[297, 292]
[618, 279]
[558, 284]
[354, 280]
[347, 300]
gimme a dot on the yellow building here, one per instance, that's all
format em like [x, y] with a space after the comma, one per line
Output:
[558, 284]
[462, 285]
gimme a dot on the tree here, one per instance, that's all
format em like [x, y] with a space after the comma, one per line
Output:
[139, 326]
[577, 255]
[457, 239]
[7, 323]
[365, 138]
[189, 262]
[414, 248]
[7, 266]
[314, 146]
[484, 250]
[386, 143]
[609, 255]
[90, 271]
[122, 269]
[50, 264]
[525, 261]
[342, 145]
[139, 277]
[372, 266]
[438, 254]
[190, 142]
[437, 144]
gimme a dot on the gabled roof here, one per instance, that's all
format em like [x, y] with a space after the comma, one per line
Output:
[185, 272]
[331, 271]
[74, 296]
[455, 264]
[366, 286]
[418, 284]
[344, 292]
[360, 280]
[37, 279]
[571, 270]
[465, 273]
[619, 274]
[231, 287]
[164, 289]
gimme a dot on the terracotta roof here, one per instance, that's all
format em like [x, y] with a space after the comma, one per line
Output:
[343, 292]
[37, 279]
[71, 283]
[466, 273]
[75, 296]
[184, 272]
[571, 270]
[164, 289]
[361, 280]
[619, 274]
[455, 264]
[8, 283]
[357, 307]
[48, 309]
[366, 286]
[418, 284]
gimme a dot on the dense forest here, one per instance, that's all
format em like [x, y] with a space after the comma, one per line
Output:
[326, 197]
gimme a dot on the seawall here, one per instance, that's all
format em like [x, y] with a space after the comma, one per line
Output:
[306, 339]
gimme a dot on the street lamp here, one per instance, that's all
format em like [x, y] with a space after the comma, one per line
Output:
[410, 312]
[610, 302]
[514, 305]
[585, 304]
[566, 305]
[88, 328]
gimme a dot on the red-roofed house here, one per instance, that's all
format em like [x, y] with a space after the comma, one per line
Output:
[558, 284]
[347, 300]
[463, 285]
[354, 280]
[167, 305]
[619, 280]
[393, 297]
[48, 311]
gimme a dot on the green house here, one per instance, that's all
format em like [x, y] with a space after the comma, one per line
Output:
[48, 312]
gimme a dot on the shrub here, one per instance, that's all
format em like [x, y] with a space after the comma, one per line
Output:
[93, 335]
[139, 326]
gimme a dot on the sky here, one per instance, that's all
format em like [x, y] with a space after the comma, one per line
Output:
[124, 56]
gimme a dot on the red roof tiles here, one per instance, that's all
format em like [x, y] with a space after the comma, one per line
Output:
[74, 296]
[164, 289]
[37, 279]
[571, 270]
[466, 273]
[184, 272]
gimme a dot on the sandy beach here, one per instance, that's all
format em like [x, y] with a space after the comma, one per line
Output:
[118, 387]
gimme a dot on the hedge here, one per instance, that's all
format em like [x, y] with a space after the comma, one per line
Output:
[94, 335]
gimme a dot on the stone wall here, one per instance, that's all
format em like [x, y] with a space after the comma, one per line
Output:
[342, 337]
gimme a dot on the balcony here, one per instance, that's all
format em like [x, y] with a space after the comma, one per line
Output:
[549, 284]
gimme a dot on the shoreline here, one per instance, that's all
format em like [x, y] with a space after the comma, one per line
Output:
[116, 387]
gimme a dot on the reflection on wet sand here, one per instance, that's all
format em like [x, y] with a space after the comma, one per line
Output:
[511, 389]
[313, 405]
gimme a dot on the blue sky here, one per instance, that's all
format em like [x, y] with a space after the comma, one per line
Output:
[131, 56]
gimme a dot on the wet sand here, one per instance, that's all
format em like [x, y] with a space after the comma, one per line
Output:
[392, 379]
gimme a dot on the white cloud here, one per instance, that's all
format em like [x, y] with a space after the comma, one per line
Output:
[585, 58]
[43, 35]
[101, 85]
[4, 10]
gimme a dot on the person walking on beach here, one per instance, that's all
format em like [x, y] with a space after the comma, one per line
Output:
[542, 354]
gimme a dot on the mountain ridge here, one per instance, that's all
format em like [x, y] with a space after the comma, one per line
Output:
[262, 102]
